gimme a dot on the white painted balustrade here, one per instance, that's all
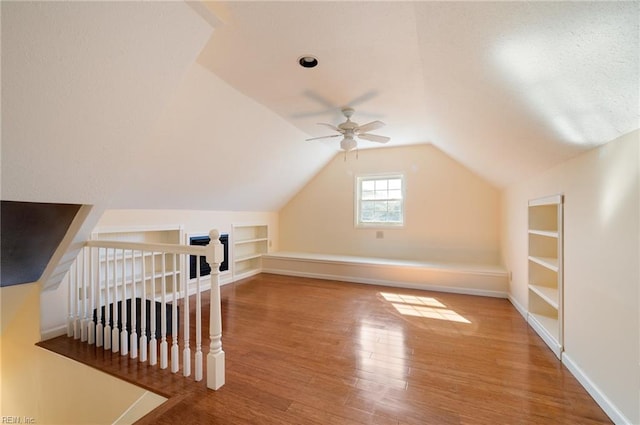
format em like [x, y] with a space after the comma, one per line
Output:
[110, 284]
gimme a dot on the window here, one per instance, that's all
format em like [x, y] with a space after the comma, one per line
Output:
[380, 201]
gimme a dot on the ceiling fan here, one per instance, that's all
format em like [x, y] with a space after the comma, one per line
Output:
[350, 130]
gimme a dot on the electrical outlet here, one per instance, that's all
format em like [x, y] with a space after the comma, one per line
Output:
[379, 234]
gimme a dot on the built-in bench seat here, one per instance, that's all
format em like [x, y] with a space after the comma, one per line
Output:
[474, 279]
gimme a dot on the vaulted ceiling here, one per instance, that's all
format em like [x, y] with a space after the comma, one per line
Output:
[204, 106]
[507, 88]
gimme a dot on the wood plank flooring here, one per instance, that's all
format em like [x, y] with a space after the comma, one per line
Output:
[306, 351]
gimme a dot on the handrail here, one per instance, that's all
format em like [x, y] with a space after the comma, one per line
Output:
[155, 247]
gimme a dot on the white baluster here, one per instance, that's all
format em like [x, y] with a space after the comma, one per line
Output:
[198, 355]
[70, 293]
[83, 322]
[101, 278]
[153, 343]
[186, 351]
[107, 310]
[76, 297]
[164, 346]
[215, 358]
[115, 331]
[175, 353]
[124, 334]
[134, 320]
[91, 326]
[143, 310]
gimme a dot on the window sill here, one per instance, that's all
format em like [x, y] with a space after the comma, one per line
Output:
[380, 226]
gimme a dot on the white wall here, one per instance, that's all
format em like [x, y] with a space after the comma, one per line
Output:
[451, 213]
[214, 148]
[83, 85]
[601, 268]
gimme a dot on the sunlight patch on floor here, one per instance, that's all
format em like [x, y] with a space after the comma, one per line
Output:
[411, 299]
[418, 306]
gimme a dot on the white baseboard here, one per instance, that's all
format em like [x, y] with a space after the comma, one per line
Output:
[396, 284]
[600, 398]
[226, 279]
[541, 325]
[603, 401]
[246, 275]
[519, 307]
[50, 333]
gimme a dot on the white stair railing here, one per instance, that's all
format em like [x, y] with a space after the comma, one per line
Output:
[116, 288]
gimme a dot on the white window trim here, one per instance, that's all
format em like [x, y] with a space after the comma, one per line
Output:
[356, 217]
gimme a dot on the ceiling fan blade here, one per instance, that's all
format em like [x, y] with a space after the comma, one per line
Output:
[324, 137]
[329, 107]
[373, 125]
[374, 138]
[331, 126]
[365, 97]
[321, 100]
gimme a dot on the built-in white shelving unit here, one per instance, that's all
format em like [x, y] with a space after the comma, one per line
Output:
[126, 264]
[249, 243]
[545, 270]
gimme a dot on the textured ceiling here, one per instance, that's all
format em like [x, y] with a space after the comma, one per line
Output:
[148, 105]
[506, 88]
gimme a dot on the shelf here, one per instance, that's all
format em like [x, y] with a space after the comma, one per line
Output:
[547, 233]
[249, 243]
[246, 241]
[548, 262]
[247, 268]
[549, 200]
[247, 257]
[549, 295]
[250, 232]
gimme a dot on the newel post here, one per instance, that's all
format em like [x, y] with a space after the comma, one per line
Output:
[215, 358]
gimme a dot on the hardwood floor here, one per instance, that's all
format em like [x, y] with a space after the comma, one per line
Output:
[306, 351]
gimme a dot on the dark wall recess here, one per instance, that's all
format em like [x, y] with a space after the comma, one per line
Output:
[30, 232]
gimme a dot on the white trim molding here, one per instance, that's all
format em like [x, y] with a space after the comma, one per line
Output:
[598, 395]
[519, 307]
[51, 333]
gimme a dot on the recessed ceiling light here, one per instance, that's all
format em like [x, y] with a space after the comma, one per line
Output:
[308, 61]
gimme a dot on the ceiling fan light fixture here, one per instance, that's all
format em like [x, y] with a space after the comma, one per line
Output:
[347, 144]
[308, 61]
